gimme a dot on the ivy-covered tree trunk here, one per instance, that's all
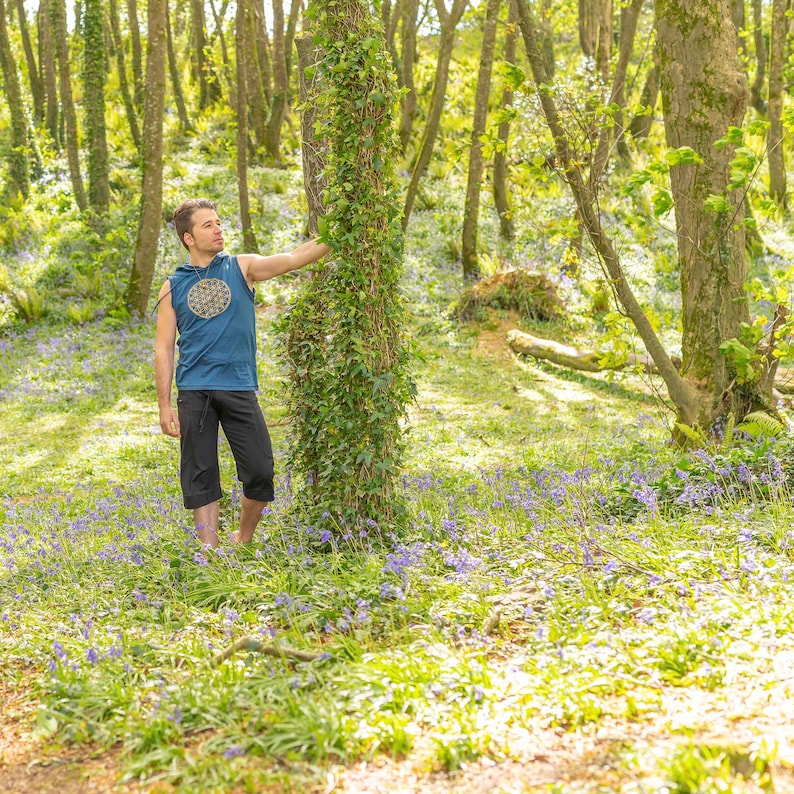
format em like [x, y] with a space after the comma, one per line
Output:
[704, 94]
[61, 41]
[150, 220]
[471, 208]
[94, 70]
[349, 376]
[19, 177]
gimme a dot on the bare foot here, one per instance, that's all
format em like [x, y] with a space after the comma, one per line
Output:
[236, 537]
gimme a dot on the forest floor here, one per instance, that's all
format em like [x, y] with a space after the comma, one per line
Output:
[614, 755]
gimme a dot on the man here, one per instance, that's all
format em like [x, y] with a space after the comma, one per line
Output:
[210, 301]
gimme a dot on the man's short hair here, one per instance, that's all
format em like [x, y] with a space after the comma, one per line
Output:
[183, 216]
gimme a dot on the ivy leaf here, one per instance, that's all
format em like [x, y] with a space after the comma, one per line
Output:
[683, 155]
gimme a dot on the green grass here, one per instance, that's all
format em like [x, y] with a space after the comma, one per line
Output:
[555, 573]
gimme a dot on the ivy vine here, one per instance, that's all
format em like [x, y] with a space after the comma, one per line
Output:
[346, 346]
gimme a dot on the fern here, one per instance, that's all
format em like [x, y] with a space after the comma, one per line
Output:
[760, 423]
[727, 436]
[693, 433]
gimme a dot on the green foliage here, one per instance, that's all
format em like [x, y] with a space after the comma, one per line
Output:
[345, 344]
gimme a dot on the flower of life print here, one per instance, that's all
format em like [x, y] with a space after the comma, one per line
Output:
[209, 297]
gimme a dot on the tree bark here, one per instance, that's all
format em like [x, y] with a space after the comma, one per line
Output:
[47, 60]
[33, 71]
[137, 53]
[696, 39]
[640, 125]
[757, 88]
[150, 221]
[410, 9]
[58, 19]
[449, 23]
[777, 165]
[18, 156]
[280, 86]
[241, 40]
[595, 33]
[501, 194]
[471, 210]
[121, 66]
[312, 149]
[173, 70]
[94, 70]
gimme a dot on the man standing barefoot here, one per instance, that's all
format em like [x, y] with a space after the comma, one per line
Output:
[209, 303]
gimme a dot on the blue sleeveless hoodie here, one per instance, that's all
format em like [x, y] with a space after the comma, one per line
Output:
[216, 322]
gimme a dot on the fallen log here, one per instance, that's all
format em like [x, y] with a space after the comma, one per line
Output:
[593, 361]
[572, 357]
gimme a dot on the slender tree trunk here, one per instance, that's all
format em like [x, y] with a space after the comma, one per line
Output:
[121, 66]
[34, 74]
[471, 210]
[47, 60]
[254, 82]
[641, 123]
[696, 38]
[241, 41]
[449, 23]
[94, 70]
[199, 52]
[263, 50]
[312, 149]
[777, 166]
[501, 194]
[410, 9]
[280, 86]
[546, 36]
[58, 19]
[757, 88]
[595, 33]
[18, 156]
[176, 81]
[629, 17]
[137, 53]
[150, 222]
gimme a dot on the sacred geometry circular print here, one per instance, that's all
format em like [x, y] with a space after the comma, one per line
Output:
[209, 297]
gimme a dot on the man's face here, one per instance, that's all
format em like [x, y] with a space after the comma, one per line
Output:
[206, 236]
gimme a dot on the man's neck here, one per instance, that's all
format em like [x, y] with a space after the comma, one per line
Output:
[201, 259]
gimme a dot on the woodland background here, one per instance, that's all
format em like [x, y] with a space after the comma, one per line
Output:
[507, 577]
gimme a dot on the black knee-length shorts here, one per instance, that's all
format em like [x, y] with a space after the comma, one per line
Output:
[239, 414]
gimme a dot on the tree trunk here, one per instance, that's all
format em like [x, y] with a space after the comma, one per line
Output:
[449, 23]
[263, 50]
[137, 53]
[47, 60]
[501, 195]
[697, 38]
[34, 73]
[58, 19]
[94, 70]
[629, 17]
[241, 41]
[176, 81]
[150, 221]
[255, 88]
[595, 33]
[121, 66]
[280, 86]
[757, 89]
[312, 150]
[410, 9]
[199, 51]
[18, 154]
[640, 125]
[777, 166]
[471, 210]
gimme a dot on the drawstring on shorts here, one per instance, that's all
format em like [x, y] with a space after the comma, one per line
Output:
[204, 412]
